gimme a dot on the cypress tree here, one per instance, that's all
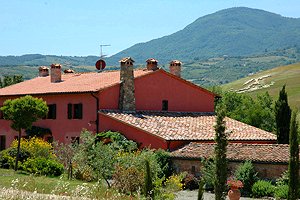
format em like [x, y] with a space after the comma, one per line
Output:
[220, 154]
[200, 189]
[148, 182]
[283, 117]
[294, 159]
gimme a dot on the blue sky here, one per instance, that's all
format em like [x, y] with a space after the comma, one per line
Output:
[77, 27]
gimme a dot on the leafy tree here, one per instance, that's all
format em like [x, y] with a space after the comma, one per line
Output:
[23, 112]
[294, 159]
[283, 117]
[220, 155]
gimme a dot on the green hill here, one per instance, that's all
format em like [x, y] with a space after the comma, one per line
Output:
[272, 81]
[236, 31]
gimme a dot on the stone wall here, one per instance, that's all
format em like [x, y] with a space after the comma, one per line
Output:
[265, 170]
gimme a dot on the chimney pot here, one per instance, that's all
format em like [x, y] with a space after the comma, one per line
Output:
[43, 71]
[152, 64]
[55, 73]
[175, 67]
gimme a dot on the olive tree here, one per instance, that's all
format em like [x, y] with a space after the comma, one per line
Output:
[22, 112]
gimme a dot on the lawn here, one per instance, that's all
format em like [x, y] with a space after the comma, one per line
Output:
[12, 181]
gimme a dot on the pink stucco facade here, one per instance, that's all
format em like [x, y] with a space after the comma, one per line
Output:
[150, 91]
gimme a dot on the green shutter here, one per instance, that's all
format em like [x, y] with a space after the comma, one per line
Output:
[70, 111]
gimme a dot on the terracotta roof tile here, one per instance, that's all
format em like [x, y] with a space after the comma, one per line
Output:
[71, 83]
[188, 126]
[237, 152]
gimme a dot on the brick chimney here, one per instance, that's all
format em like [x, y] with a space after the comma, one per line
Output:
[55, 73]
[152, 64]
[127, 98]
[43, 71]
[175, 68]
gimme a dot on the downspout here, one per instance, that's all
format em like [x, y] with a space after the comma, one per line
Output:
[97, 115]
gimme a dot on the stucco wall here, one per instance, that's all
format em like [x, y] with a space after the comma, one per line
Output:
[152, 89]
[62, 128]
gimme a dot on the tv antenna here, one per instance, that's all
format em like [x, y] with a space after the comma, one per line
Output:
[101, 52]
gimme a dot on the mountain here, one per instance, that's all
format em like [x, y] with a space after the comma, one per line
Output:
[271, 81]
[235, 31]
[38, 60]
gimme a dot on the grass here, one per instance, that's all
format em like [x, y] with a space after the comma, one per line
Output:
[288, 75]
[56, 185]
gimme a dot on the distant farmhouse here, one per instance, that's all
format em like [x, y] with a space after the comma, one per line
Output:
[155, 108]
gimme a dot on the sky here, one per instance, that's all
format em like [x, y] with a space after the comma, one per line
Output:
[78, 28]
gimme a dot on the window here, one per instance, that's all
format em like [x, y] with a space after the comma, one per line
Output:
[75, 111]
[165, 105]
[52, 111]
[2, 142]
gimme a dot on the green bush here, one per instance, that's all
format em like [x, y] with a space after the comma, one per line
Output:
[43, 166]
[247, 174]
[6, 160]
[281, 192]
[208, 174]
[164, 160]
[263, 189]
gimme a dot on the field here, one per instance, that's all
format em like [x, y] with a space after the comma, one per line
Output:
[271, 81]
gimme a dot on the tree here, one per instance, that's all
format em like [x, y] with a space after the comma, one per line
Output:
[220, 156]
[283, 117]
[23, 112]
[294, 159]
[148, 181]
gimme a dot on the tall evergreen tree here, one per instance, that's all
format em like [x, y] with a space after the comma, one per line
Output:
[283, 117]
[1, 84]
[220, 156]
[148, 182]
[294, 159]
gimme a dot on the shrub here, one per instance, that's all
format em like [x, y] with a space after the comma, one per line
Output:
[263, 189]
[174, 182]
[43, 166]
[164, 160]
[6, 160]
[36, 147]
[128, 180]
[208, 174]
[281, 192]
[190, 182]
[246, 173]
[284, 179]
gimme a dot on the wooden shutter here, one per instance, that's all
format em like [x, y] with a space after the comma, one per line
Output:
[54, 111]
[70, 113]
[80, 111]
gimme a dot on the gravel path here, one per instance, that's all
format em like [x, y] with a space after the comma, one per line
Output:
[192, 195]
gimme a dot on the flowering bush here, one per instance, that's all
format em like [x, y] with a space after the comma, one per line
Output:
[235, 184]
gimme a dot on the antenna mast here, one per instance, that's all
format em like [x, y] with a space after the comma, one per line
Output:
[101, 53]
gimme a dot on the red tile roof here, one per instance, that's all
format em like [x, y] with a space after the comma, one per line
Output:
[278, 153]
[188, 126]
[71, 83]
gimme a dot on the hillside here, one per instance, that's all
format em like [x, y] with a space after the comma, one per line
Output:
[272, 81]
[38, 60]
[236, 31]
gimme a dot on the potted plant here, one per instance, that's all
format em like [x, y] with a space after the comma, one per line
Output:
[234, 192]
